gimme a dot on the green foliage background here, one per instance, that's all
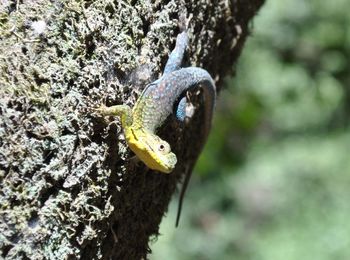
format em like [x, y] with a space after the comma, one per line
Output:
[274, 180]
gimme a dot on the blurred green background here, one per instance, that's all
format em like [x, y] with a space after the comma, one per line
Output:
[274, 179]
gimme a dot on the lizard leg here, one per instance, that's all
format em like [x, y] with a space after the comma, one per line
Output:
[176, 56]
[181, 110]
[185, 109]
[123, 111]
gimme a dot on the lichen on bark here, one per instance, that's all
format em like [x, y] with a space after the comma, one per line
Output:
[68, 186]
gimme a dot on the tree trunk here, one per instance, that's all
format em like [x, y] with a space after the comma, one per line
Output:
[69, 185]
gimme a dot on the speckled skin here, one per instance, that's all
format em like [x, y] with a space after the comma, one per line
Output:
[156, 103]
[157, 100]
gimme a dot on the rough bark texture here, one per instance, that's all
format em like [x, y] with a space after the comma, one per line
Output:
[68, 187]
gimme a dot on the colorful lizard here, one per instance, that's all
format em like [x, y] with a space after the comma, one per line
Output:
[156, 103]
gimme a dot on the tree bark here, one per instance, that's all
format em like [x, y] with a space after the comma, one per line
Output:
[69, 186]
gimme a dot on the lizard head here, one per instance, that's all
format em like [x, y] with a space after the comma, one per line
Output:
[152, 150]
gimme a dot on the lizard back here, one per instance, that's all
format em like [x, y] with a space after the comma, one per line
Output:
[157, 100]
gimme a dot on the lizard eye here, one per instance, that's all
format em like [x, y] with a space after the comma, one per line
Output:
[164, 148]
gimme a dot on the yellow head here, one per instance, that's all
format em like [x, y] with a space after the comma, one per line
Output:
[153, 151]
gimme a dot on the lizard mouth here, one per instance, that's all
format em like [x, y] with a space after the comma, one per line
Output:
[164, 162]
[170, 162]
[147, 147]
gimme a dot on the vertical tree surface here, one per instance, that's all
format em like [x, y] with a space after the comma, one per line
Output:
[69, 186]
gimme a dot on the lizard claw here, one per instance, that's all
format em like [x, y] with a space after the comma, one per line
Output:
[184, 21]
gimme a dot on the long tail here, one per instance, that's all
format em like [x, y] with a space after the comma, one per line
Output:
[209, 92]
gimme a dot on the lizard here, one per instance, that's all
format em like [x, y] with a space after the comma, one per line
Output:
[156, 103]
